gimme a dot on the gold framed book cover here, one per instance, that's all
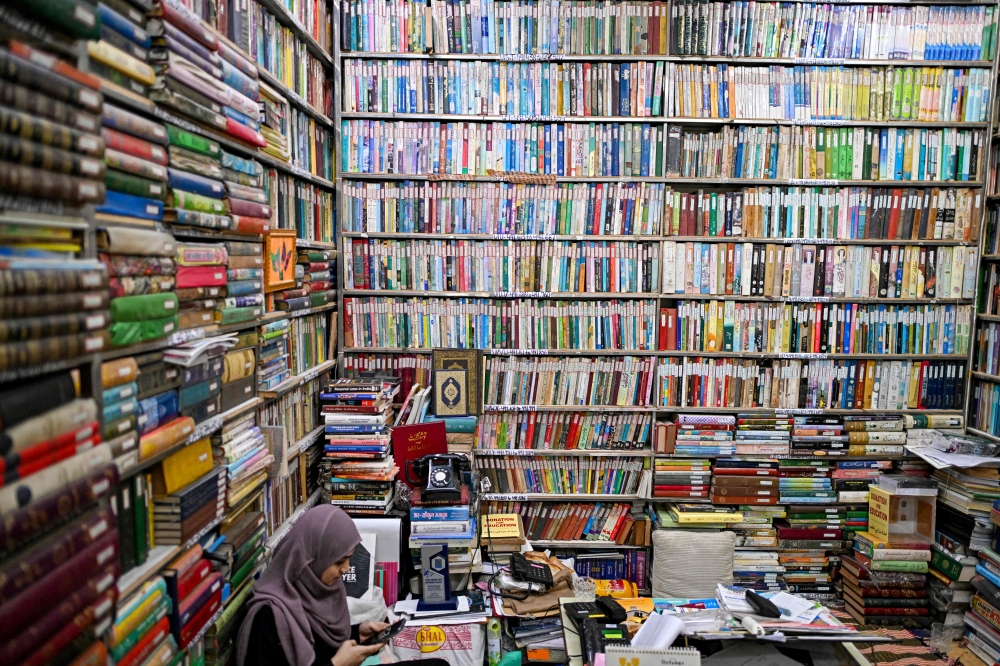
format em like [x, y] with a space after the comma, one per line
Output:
[469, 360]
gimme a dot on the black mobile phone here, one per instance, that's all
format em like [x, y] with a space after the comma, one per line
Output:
[387, 633]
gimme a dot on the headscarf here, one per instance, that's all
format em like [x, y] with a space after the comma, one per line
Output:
[291, 586]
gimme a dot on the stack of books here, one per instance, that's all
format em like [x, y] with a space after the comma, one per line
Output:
[141, 262]
[682, 478]
[875, 435]
[122, 412]
[612, 566]
[809, 573]
[195, 592]
[981, 623]
[762, 435]
[244, 280]
[739, 481]
[433, 523]
[756, 530]
[357, 416]
[239, 364]
[806, 489]
[884, 583]
[246, 201]
[852, 478]
[819, 435]
[949, 586]
[119, 58]
[201, 280]
[273, 359]
[758, 570]
[705, 435]
[179, 516]
[199, 395]
[141, 630]
[240, 448]
[241, 553]
[200, 77]
[315, 280]
[273, 123]
[137, 159]
[806, 536]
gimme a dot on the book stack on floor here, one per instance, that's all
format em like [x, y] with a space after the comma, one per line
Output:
[702, 435]
[141, 630]
[884, 591]
[738, 481]
[241, 448]
[682, 478]
[195, 592]
[761, 435]
[137, 160]
[239, 555]
[807, 534]
[57, 105]
[244, 283]
[810, 574]
[452, 524]
[182, 514]
[949, 586]
[273, 365]
[141, 262]
[358, 416]
[59, 543]
[852, 478]
[201, 78]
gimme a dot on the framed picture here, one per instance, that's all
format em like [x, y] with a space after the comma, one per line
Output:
[279, 260]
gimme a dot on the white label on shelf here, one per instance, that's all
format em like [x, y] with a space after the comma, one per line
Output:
[518, 352]
[803, 355]
[798, 411]
[813, 182]
[507, 497]
[819, 61]
[521, 294]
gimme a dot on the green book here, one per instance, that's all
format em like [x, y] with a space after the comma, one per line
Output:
[890, 565]
[907, 101]
[896, 110]
[76, 17]
[713, 214]
[119, 181]
[193, 142]
[236, 315]
[159, 612]
[247, 568]
[196, 202]
[949, 565]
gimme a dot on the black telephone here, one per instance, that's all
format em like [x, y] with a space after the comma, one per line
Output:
[442, 472]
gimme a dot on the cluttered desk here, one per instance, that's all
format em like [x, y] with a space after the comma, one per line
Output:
[595, 633]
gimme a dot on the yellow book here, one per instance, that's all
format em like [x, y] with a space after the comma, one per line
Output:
[124, 625]
[187, 465]
[907, 260]
[712, 342]
[869, 384]
[119, 60]
[688, 517]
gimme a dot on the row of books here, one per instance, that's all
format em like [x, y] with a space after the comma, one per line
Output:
[411, 369]
[811, 30]
[987, 352]
[572, 521]
[859, 271]
[816, 329]
[310, 340]
[734, 29]
[304, 207]
[633, 149]
[314, 284]
[643, 209]
[859, 153]
[827, 213]
[984, 406]
[458, 265]
[647, 89]
[470, 323]
[619, 475]
[794, 384]
[310, 144]
[989, 289]
[272, 358]
[297, 412]
[278, 49]
[560, 430]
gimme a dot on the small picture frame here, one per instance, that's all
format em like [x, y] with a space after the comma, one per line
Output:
[279, 260]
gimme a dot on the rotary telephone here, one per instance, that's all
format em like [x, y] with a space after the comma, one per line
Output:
[442, 472]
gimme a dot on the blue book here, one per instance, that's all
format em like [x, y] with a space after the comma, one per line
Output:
[192, 182]
[439, 513]
[244, 165]
[237, 80]
[123, 26]
[242, 119]
[243, 287]
[644, 155]
[128, 205]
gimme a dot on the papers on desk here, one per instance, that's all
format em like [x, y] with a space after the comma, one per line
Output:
[417, 618]
[797, 614]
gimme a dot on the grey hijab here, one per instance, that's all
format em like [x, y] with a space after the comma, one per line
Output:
[291, 586]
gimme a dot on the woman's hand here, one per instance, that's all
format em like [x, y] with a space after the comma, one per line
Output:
[369, 629]
[352, 654]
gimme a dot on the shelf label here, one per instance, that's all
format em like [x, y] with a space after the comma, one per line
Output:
[508, 497]
[813, 182]
[820, 61]
[532, 119]
[805, 412]
[519, 352]
[510, 408]
[506, 452]
[530, 57]
[521, 294]
[803, 355]
[531, 237]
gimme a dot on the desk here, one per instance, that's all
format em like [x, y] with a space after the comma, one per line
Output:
[574, 649]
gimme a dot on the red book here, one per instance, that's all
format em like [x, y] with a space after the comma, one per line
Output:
[58, 66]
[136, 147]
[201, 618]
[192, 578]
[412, 442]
[247, 208]
[738, 471]
[244, 133]
[149, 642]
[200, 276]
[247, 224]
[893, 231]
[27, 468]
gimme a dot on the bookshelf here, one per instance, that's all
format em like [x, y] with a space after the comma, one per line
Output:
[410, 99]
[306, 167]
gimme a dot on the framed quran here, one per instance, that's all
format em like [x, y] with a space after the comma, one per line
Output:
[469, 361]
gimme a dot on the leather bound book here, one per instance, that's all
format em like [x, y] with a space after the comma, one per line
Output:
[57, 641]
[26, 72]
[24, 98]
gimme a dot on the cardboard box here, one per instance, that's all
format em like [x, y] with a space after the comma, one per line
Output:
[900, 518]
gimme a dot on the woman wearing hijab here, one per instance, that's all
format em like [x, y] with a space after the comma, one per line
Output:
[298, 615]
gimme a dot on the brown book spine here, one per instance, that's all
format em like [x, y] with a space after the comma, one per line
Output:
[48, 185]
[29, 306]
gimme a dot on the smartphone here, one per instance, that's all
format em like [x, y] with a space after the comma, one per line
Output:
[387, 633]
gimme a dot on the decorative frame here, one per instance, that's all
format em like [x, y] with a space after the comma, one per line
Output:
[279, 260]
